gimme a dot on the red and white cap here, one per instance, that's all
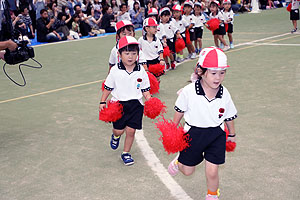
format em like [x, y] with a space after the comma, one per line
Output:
[212, 58]
[127, 40]
[227, 1]
[177, 8]
[150, 22]
[123, 23]
[198, 4]
[164, 9]
[153, 11]
[188, 2]
[216, 2]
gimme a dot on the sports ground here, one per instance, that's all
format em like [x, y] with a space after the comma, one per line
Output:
[53, 147]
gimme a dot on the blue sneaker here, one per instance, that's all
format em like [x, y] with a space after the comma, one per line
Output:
[127, 159]
[114, 143]
[221, 45]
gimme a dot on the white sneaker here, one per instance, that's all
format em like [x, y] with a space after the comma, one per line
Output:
[231, 46]
[193, 56]
[226, 48]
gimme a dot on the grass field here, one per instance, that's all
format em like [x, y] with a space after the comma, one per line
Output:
[53, 147]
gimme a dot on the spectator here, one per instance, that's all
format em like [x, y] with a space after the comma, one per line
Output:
[136, 15]
[108, 20]
[45, 33]
[71, 4]
[88, 6]
[85, 28]
[115, 7]
[97, 9]
[76, 27]
[235, 6]
[148, 7]
[155, 4]
[39, 5]
[60, 4]
[123, 13]
[31, 10]
[25, 18]
[52, 11]
[60, 25]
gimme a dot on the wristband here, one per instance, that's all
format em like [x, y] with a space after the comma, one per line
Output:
[231, 135]
[162, 59]
[102, 102]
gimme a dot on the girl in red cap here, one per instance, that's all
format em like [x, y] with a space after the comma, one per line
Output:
[205, 105]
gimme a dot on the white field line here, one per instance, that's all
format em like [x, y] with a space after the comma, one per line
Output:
[277, 44]
[156, 166]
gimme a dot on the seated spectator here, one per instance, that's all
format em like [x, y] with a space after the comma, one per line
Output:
[71, 4]
[87, 7]
[235, 6]
[39, 5]
[45, 32]
[75, 27]
[25, 18]
[123, 13]
[137, 15]
[61, 3]
[85, 28]
[108, 20]
[52, 11]
[148, 7]
[97, 9]
[60, 25]
[115, 7]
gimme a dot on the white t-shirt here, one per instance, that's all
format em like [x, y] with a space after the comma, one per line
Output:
[124, 85]
[114, 57]
[201, 112]
[295, 4]
[228, 15]
[199, 20]
[151, 50]
[167, 30]
[125, 16]
[180, 25]
[189, 19]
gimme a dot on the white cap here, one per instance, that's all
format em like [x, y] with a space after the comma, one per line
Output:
[213, 58]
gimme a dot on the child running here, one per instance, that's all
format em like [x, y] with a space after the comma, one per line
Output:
[205, 106]
[294, 14]
[220, 32]
[199, 22]
[228, 20]
[127, 82]
[190, 32]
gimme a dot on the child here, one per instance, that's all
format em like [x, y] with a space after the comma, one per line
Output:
[220, 32]
[75, 26]
[294, 14]
[150, 45]
[205, 106]
[166, 32]
[228, 20]
[124, 28]
[153, 13]
[199, 21]
[181, 25]
[188, 17]
[127, 82]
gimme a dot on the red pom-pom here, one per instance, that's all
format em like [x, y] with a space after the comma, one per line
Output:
[179, 45]
[289, 7]
[173, 138]
[167, 52]
[157, 69]
[226, 27]
[188, 37]
[213, 24]
[154, 84]
[154, 107]
[112, 113]
[103, 83]
[230, 146]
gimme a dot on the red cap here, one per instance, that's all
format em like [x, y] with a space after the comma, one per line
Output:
[188, 2]
[127, 40]
[123, 23]
[177, 8]
[212, 58]
[153, 11]
[150, 22]
[164, 9]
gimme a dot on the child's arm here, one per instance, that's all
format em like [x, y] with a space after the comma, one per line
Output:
[177, 117]
[147, 95]
[231, 129]
[104, 97]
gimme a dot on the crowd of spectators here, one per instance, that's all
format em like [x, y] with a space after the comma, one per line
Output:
[54, 20]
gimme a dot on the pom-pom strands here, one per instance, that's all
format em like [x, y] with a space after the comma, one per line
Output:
[230, 146]
[173, 138]
[289, 7]
[154, 84]
[154, 107]
[102, 87]
[213, 24]
[179, 45]
[157, 69]
[112, 113]
[166, 52]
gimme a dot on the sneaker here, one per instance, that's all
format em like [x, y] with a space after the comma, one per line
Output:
[193, 56]
[173, 167]
[221, 45]
[127, 159]
[189, 56]
[294, 30]
[114, 142]
[173, 66]
[226, 48]
[231, 46]
[211, 197]
[167, 67]
[197, 50]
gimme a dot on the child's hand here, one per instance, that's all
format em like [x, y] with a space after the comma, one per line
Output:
[162, 62]
[165, 45]
[102, 106]
[230, 139]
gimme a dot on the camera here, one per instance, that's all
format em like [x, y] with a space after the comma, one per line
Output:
[21, 54]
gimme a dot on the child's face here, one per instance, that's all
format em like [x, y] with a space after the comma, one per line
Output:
[187, 9]
[76, 19]
[177, 14]
[165, 18]
[213, 78]
[126, 32]
[128, 57]
[213, 8]
[226, 6]
[197, 10]
[151, 29]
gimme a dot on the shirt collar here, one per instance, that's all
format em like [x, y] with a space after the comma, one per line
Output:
[200, 91]
[122, 67]
[145, 37]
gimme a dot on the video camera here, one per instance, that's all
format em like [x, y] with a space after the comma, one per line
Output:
[21, 54]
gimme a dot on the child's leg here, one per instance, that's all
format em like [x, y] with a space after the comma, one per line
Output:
[216, 40]
[200, 43]
[221, 38]
[294, 22]
[212, 176]
[130, 132]
[190, 48]
[196, 43]
[186, 170]
[230, 37]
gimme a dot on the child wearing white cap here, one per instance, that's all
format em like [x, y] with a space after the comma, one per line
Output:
[228, 21]
[199, 23]
[205, 105]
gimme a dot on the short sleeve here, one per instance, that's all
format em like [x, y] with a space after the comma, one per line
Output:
[145, 86]
[109, 83]
[113, 57]
[181, 104]
[230, 111]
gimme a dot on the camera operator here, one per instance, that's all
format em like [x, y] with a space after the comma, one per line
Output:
[9, 44]
[45, 32]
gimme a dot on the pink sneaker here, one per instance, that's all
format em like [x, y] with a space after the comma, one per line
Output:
[173, 167]
[211, 197]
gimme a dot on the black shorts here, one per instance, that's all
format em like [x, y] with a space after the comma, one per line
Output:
[221, 30]
[132, 117]
[153, 62]
[171, 44]
[208, 143]
[198, 32]
[230, 28]
[294, 14]
[192, 34]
